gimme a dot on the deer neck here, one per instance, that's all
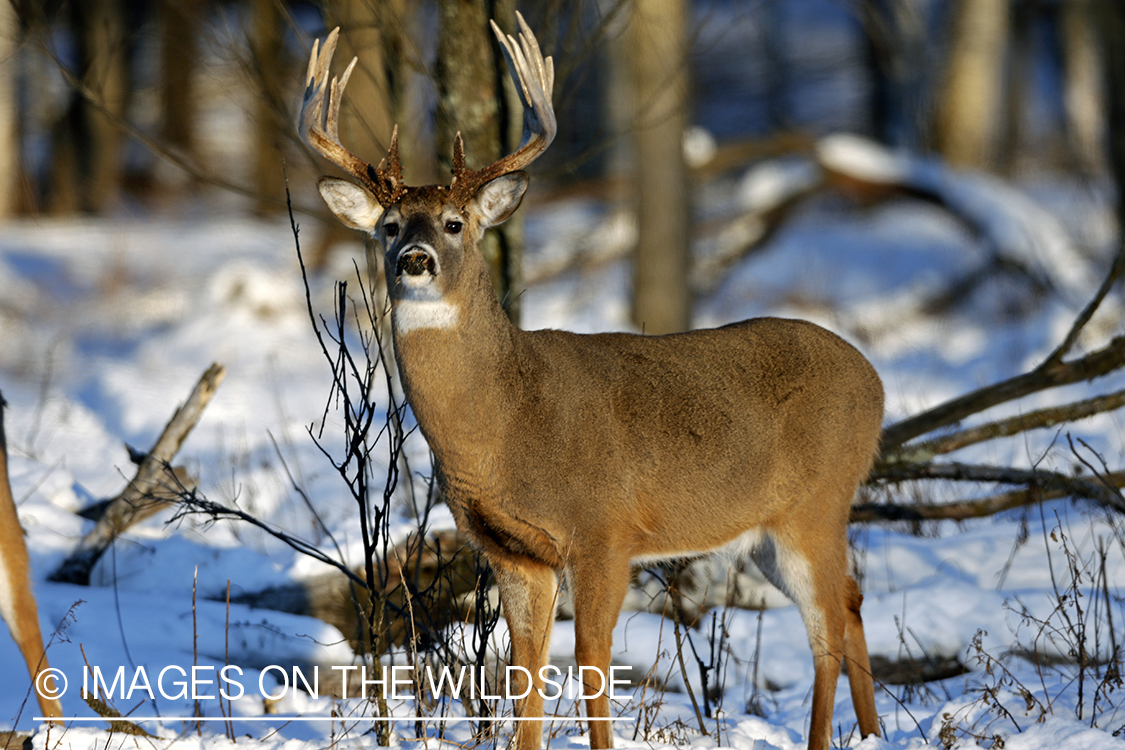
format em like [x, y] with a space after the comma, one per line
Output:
[459, 374]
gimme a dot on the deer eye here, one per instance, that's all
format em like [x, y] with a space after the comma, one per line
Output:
[390, 229]
[453, 227]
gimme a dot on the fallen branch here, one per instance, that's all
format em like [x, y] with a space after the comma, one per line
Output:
[1049, 417]
[1115, 271]
[1039, 486]
[1050, 374]
[437, 570]
[151, 489]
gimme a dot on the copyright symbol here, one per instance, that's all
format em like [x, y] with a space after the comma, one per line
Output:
[51, 683]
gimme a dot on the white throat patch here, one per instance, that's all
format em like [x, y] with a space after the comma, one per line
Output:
[416, 314]
[420, 304]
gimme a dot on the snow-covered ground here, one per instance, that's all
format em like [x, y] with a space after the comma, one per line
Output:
[105, 325]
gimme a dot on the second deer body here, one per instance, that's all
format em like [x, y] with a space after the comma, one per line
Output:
[571, 454]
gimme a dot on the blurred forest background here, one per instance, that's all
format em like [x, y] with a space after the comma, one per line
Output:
[114, 107]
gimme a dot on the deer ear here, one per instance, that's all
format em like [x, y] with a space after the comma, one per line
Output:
[352, 204]
[499, 198]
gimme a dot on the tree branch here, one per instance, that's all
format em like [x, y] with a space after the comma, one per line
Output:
[966, 509]
[1050, 374]
[1049, 417]
[149, 491]
[191, 503]
[1083, 318]
[1040, 485]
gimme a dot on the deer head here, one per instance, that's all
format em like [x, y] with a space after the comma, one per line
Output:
[428, 233]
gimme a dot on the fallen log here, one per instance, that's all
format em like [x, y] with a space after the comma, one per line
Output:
[152, 488]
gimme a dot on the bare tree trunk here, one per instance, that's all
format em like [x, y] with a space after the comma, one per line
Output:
[1111, 24]
[972, 97]
[896, 61]
[179, 23]
[179, 52]
[1084, 98]
[107, 74]
[655, 39]
[472, 99]
[267, 71]
[366, 128]
[375, 32]
[9, 135]
[774, 50]
[619, 109]
[87, 144]
[1020, 70]
[152, 488]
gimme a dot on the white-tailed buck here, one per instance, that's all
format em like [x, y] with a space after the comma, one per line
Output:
[584, 454]
[17, 602]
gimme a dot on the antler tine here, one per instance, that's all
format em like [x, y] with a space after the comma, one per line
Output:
[534, 77]
[529, 56]
[312, 105]
[318, 126]
[335, 96]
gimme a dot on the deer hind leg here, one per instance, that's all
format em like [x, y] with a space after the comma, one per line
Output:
[17, 602]
[598, 587]
[859, 666]
[528, 591]
[812, 575]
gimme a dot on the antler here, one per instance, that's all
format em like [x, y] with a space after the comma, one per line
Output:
[534, 76]
[318, 126]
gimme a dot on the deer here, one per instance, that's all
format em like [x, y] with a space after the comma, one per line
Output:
[17, 601]
[580, 455]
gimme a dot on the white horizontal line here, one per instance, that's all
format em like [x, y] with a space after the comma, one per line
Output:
[408, 719]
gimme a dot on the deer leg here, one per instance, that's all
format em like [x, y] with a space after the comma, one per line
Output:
[528, 591]
[17, 602]
[812, 576]
[859, 666]
[598, 588]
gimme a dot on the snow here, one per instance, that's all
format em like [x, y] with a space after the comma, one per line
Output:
[105, 326]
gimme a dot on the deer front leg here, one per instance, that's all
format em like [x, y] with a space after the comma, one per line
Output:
[528, 591]
[598, 587]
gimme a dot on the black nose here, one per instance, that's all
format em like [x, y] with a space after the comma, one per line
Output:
[415, 263]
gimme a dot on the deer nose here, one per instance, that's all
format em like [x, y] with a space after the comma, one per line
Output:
[415, 262]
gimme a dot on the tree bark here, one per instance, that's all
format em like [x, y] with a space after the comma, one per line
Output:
[473, 99]
[896, 62]
[655, 39]
[1111, 24]
[179, 53]
[1083, 95]
[87, 145]
[368, 113]
[973, 92]
[9, 133]
[374, 32]
[267, 72]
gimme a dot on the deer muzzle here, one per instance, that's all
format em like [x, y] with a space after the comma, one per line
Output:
[415, 262]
